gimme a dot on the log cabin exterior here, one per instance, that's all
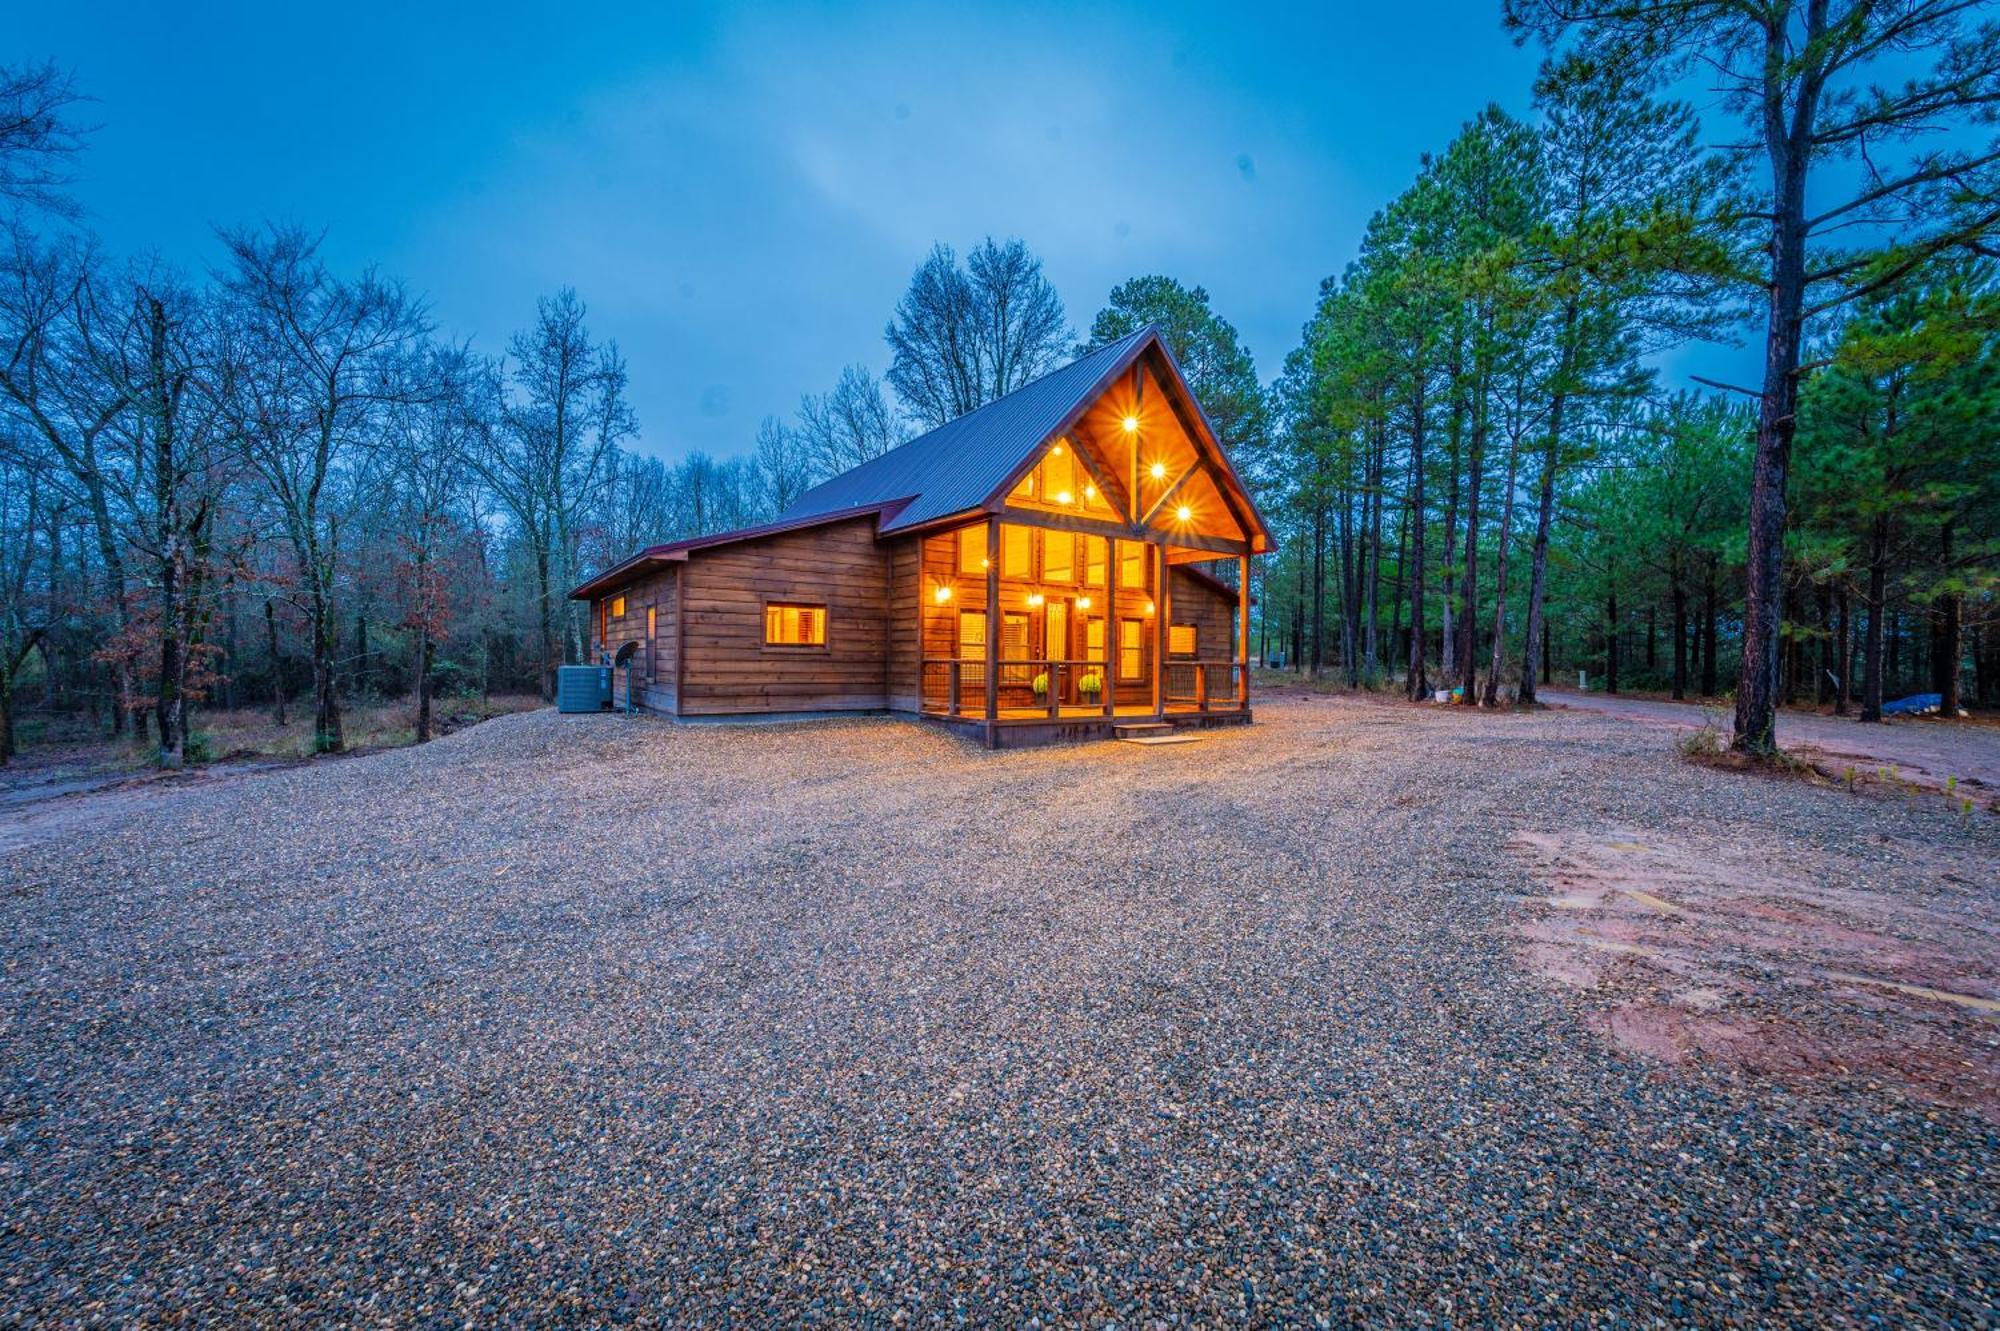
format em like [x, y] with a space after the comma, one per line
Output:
[1038, 569]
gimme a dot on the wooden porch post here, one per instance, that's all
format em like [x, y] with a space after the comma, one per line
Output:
[1110, 666]
[992, 628]
[1243, 630]
[1161, 606]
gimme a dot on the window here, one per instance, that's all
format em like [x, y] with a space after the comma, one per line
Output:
[972, 549]
[1130, 663]
[1059, 476]
[972, 635]
[1017, 551]
[1181, 640]
[652, 622]
[1058, 557]
[1014, 646]
[1093, 560]
[794, 625]
[1013, 636]
[618, 607]
[1093, 639]
[1131, 565]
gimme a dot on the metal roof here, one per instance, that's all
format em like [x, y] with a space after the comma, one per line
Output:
[625, 570]
[957, 468]
[959, 465]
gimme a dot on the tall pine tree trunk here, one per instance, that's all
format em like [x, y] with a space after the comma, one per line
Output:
[1950, 644]
[1871, 664]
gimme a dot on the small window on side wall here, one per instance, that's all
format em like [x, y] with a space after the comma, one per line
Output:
[618, 607]
[972, 549]
[790, 625]
[1131, 665]
[1181, 640]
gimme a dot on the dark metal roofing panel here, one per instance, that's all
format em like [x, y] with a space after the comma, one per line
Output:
[631, 567]
[960, 464]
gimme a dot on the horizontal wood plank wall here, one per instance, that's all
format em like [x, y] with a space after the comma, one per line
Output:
[728, 667]
[1197, 602]
[905, 587]
[654, 591]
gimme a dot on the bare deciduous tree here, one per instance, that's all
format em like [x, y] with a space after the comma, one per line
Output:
[553, 453]
[963, 337]
[313, 360]
[37, 137]
[848, 426]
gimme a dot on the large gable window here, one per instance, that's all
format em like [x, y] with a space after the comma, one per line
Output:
[790, 625]
[1017, 551]
[1058, 556]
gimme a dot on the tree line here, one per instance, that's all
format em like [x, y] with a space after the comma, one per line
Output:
[1483, 483]
[279, 484]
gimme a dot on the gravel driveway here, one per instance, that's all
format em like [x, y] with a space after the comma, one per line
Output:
[599, 1019]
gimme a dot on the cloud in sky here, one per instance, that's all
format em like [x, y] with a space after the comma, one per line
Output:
[740, 193]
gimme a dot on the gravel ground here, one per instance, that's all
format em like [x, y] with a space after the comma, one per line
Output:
[600, 1020]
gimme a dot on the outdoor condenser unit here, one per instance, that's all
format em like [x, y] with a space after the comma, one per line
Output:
[583, 688]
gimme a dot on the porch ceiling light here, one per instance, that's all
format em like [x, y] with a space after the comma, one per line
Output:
[1131, 425]
[1183, 512]
[1159, 470]
[1090, 492]
[1063, 497]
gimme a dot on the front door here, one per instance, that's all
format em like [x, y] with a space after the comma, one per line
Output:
[1055, 646]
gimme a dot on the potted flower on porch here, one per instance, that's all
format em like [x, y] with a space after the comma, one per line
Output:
[1091, 685]
[1042, 685]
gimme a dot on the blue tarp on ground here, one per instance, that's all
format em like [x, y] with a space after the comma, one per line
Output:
[1917, 704]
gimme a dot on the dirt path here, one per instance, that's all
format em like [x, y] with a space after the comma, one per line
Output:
[1937, 749]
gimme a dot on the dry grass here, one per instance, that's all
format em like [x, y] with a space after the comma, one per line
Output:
[250, 732]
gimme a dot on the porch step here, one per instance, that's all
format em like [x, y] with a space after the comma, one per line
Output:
[1152, 732]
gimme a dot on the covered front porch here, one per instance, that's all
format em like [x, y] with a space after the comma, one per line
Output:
[1040, 624]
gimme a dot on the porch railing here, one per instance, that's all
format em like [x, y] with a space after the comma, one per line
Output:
[953, 686]
[1207, 686]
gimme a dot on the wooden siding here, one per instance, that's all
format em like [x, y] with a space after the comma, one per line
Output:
[1197, 602]
[729, 669]
[655, 676]
[908, 602]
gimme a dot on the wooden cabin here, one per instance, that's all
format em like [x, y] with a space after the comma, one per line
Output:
[1062, 563]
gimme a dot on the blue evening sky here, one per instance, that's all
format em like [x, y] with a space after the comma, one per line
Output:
[740, 193]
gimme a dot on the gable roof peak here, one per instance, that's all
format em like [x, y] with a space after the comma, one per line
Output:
[958, 465]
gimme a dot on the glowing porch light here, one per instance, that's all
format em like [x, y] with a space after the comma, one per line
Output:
[985, 563]
[1090, 492]
[1063, 497]
[1183, 512]
[1149, 609]
[1131, 425]
[1083, 603]
[1159, 470]
[1034, 598]
[1056, 451]
[942, 594]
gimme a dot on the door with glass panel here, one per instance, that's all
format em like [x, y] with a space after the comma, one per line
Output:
[1055, 646]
